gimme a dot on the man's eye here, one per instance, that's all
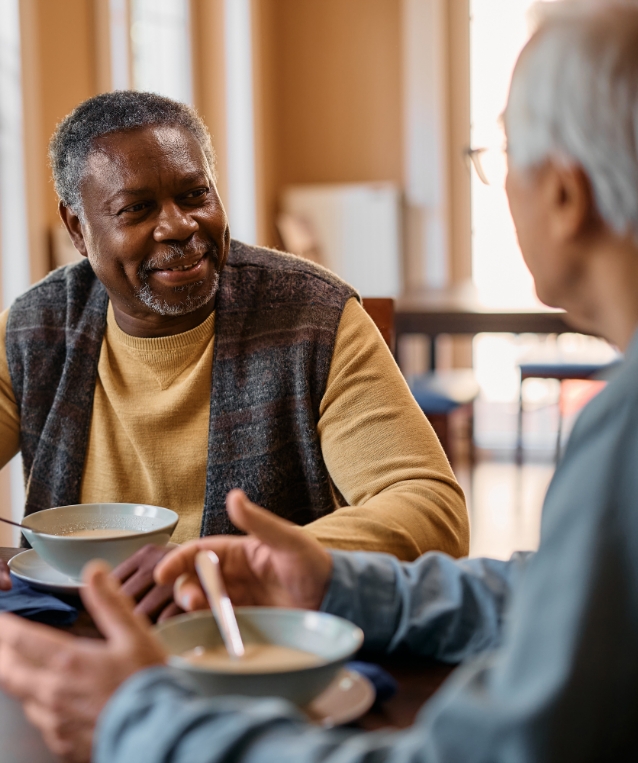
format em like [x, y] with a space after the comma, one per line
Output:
[197, 193]
[137, 207]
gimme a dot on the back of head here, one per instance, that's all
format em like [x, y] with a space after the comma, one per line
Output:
[75, 136]
[574, 99]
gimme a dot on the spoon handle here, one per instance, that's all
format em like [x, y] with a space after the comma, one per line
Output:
[22, 527]
[210, 576]
[15, 524]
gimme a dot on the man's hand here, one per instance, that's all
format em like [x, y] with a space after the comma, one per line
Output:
[5, 579]
[63, 681]
[136, 576]
[276, 565]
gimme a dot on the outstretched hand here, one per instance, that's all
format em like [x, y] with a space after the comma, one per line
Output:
[277, 564]
[5, 579]
[136, 576]
[63, 681]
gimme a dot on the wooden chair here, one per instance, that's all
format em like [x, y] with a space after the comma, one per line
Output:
[439, 394]
[381, 310]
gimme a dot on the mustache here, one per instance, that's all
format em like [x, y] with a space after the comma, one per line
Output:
[173, 253]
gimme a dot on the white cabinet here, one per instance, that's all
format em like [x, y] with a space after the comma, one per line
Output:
[356, 228]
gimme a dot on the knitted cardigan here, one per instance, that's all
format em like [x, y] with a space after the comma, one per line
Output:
[275, 327]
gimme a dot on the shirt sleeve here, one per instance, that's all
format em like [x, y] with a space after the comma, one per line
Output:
[9, 416]
[383, 456]
[436, 606]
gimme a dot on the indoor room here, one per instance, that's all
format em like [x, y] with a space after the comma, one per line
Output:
[305, 305]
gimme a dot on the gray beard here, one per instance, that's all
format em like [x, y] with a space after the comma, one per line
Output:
[188, 305]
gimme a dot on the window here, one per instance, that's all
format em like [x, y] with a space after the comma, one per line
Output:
[498, 31]
[161, 51]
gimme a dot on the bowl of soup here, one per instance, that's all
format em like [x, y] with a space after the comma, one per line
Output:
[70, 536]
[290, 653]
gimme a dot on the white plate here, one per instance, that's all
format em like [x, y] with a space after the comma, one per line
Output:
[347, 698]
[28, 566]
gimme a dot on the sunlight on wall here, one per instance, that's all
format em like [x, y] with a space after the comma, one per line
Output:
[13, 219]
[499, 29]
[160, 34]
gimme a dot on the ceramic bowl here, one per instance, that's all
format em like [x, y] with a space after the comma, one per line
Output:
[332, 638]
[68, 554]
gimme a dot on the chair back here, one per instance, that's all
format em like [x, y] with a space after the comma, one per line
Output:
[381, 310]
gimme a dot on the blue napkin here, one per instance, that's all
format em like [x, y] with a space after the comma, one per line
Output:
[384, 684]
[36, 605]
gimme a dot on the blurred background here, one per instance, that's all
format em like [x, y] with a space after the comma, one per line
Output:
[342, 130]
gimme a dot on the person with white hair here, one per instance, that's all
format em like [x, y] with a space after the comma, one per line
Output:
[547, 640]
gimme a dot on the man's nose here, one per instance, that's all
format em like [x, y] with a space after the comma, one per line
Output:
[174, 223]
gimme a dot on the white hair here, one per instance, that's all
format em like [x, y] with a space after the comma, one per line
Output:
[574, 100]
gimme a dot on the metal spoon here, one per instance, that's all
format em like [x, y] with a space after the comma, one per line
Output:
[23, 527]
[210, 576]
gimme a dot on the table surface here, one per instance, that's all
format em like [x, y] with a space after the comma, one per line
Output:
[459, 310]
[417, 678]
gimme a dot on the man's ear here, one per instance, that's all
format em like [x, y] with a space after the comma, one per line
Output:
[72, 224]
[571, 200]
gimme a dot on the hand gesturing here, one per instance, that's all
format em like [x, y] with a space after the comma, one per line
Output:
[276, 565]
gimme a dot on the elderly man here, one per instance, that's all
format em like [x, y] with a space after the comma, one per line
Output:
[173, 364]
[551, 670]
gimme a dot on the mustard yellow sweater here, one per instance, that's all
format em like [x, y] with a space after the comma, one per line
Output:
[148, 441]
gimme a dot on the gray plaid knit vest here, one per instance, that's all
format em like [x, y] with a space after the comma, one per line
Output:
[275, 327]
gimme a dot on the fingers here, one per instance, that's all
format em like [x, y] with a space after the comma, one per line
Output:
[41, 717]
[37, 643]
[155, 601]
[127, 568]
[142, 561]
[19, 677]
[110, 609]
[182, 560]
[172, 610]
[188, 593]
[5, 578]
[278, 533]
[138, 583]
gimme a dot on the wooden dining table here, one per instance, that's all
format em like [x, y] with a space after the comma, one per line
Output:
[417, 678]
[460, 310]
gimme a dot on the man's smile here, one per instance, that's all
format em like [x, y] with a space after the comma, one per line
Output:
[179, 267]
[182, 272]
[186, 267]
[185, 273]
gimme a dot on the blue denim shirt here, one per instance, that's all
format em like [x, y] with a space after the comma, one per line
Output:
[549, 641]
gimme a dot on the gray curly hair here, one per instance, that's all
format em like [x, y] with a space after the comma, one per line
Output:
[74, 137]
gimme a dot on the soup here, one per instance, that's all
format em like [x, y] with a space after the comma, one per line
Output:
[259, 658]
[104, 533]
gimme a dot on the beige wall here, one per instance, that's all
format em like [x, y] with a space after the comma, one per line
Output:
[460, 235]
[59, 71]
[209, 89]
[329, 101]
[460, 203]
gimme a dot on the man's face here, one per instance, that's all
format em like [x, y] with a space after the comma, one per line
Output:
[155, 230]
